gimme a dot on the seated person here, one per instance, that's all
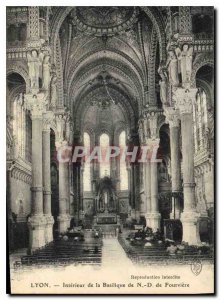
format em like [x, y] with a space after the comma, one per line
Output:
[72, 223]
[168, 242]
[138, 234]
[96, 235]
[148, 231]
[204, 249]
[172, 249]
[65, 238]
[149, 238]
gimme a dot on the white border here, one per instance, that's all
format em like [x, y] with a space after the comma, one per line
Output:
[3, 102]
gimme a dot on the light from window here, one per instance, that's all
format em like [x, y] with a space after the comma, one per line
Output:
[87, 165]
[200, 117]
[104, 164]
[123, 167]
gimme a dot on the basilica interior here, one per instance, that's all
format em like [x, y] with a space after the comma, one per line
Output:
[109, 76]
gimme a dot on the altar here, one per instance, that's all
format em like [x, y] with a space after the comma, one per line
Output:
[106, 204]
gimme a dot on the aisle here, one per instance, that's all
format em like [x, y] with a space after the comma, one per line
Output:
[113, 254]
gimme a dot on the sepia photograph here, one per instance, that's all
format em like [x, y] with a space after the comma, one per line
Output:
[110, 150]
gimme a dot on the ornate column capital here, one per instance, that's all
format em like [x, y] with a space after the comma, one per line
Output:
[61, 144]
[172, 116]
[48, 120]
[184, 100]
[36, 103]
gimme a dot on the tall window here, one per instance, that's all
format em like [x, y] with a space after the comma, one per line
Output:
[200, 120]
[123, 167]
[104, 165]
[87, 170]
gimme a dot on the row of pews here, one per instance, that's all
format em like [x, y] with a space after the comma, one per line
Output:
[63, 251]
[158, 254]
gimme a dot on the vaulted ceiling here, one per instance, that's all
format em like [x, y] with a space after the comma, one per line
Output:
[107, 53]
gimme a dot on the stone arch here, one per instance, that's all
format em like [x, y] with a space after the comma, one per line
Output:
[88, 128]
[82, 106]
[115, 68]
[156, 18]
[91, 60]
[161, 121]
[151, 12]
[60, 15]
[121, 56]
[201, 61]
[208, 90]
[20, 69]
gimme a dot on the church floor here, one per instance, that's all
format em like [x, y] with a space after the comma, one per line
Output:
[113, 253]
[116, 274]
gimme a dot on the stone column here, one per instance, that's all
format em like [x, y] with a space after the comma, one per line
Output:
[143, 204]
[36, 104]
[63, 149]
[133, 213]
[154, 213]
[185, 99]
[47, 119]
[152, 143]
[142, 191]
[173, 119]
[147, 175]
[64, 191]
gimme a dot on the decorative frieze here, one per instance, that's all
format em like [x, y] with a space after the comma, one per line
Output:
[17, 15]
[22, 171]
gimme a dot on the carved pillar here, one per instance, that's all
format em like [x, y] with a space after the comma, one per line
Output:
[153, 144]
[64, 151]
[145, 180]
[36, 104]
[64, 196]
[33, 23]
[185, 24]
[173, 119]
[147, 175]
[47, 119]
[185, 99]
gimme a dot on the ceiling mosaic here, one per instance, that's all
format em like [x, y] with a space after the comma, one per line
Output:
[104, 20]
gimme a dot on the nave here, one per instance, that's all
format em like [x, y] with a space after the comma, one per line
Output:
[108, 249]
